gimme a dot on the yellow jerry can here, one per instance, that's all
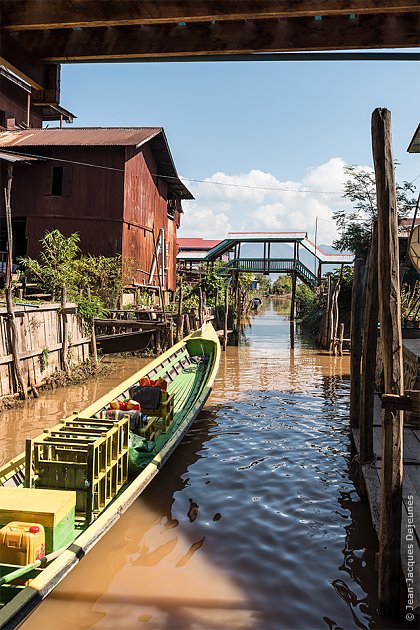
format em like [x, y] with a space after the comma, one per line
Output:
[21, 543]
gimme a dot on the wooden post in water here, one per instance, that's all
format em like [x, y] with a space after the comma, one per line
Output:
[391, 342]
[326, 326]
[370, 337]
[200, 307]
[180, 319]
[340, 340]
[64, 332]
[216, 311]
[187, 328]
[93, 347]
[225, 322]
[356, 341]
[293, 299]
[15, 343]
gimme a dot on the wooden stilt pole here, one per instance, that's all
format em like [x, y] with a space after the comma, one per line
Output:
[293, 299]
[21, 385]
[200, 307]
[15, 344]
[180, 319]
[216, 309]
[64, 332]
[340, 340]
[391, 342]
[356, 341]
[225, 324]
[187, 328]
[93, 347]
[370, 337]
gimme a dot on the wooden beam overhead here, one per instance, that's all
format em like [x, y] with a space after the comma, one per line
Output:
[126, 43]
[19, 15]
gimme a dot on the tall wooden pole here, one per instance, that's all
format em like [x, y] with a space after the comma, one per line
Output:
[391, 342]
[293, 298]
[356, 341]
[14, 338]
[370, 337]
[180, 319]
[64, 332]
[225, 324]
[9, 229]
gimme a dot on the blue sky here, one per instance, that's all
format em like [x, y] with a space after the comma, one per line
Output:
[270, 124]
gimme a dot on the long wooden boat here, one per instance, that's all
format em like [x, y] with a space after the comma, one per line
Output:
[189, 368]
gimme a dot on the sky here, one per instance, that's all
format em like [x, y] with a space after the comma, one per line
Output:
[291, 126]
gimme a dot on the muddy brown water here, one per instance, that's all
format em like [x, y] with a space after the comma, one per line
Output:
[253, 523]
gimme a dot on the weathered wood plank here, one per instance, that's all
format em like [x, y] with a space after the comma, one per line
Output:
[356, 341]
[391, 342]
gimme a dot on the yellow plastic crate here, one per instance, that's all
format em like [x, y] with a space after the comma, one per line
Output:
[87, 455]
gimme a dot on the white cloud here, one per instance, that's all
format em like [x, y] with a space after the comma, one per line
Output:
[260, 201]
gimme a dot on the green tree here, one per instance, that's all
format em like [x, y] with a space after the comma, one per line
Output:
[355, 224]
[56, 268]
[282, 286]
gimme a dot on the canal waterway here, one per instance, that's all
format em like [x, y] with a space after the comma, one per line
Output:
[253, 523]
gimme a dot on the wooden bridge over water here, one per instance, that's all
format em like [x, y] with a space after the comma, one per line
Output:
[230, 250]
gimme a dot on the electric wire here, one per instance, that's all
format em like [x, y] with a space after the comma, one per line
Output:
[189, 179]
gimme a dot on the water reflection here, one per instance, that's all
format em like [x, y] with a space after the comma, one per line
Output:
[253, 522]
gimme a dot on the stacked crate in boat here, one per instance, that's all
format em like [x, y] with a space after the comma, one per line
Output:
[53, 509]
[87, 455]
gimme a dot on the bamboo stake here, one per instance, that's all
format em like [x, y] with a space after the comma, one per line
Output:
[356, 341]
[200, 307]
[64, 340]
[187, 328]
[216, 309]
[293, 299]
[15, 344]
[370, 338]
[180, 319]
[9, 228]
[93, 346]
[225, 323]
[391, 342]
[340, 340]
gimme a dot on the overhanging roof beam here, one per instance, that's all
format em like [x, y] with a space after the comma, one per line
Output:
[392, 31]
[21, 15]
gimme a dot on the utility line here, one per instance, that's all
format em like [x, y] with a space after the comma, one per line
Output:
[188, 179]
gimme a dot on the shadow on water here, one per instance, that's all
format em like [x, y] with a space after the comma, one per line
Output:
[254, 522]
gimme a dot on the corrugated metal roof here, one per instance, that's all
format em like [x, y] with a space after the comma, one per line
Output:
[104, 136]
[265, 236]
[15, 157]
[191, 255]
[95, 136]
[196, 243]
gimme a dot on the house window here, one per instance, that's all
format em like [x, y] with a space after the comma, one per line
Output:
[57, 181]
[171, 207]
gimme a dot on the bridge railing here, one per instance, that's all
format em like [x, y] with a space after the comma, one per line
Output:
[271, 265]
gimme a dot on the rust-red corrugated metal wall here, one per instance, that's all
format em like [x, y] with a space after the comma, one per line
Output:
[110, 195]
[91, 200]
[145, 206]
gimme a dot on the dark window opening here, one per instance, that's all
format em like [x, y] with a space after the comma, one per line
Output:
[171, 207]
[3, 118]
[57, 181]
